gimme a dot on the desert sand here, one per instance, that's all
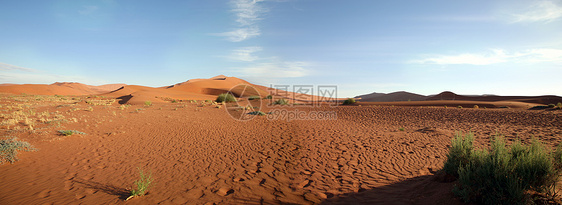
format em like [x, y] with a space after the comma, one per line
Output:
[198, 154]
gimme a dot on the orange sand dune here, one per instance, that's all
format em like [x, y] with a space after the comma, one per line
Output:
[196, 89]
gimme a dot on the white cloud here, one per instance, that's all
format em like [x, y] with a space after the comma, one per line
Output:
[247, 15]
[541, 11]
[247, 11]
[277, 69]
[245, 54]
[241, 34]
[497, 56]
[5, 66]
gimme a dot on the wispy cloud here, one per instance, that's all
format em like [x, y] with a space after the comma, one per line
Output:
[247, 13]
[245, 54]
[541, 11]
[497, 56]
[241, 34]
[5, 66]
[277, 69]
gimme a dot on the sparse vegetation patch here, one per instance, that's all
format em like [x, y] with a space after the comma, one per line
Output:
[70, 132]
[281, 102]
[143, 184]
[225, 97]
[502, 174]
[9, 148]
[349, 101]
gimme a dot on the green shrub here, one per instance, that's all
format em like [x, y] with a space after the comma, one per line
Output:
[502, 175]
[459, 153]
[9, 148]
[269, 97]
[143, 184]
[70, 132]
[225, 97]
[476, 107]
[260, 113]
[281, 102]
[349, 101]
[551, 106]
[147, 103]
[254, 97]
[460, 107]
[401, 129]
[559, 105]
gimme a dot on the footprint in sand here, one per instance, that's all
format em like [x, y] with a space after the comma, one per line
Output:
[68, 185]
[225, 191]
[44, 194]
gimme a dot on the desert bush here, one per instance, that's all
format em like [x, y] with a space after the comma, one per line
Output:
[225, 97]
[501, 175]
[559, 105]
[460, 107]
[476, 107]
[281, 102]
[349, 101]
[143, 184]
[401, 129]
[9, 148]
[269, 97]
[254, 97]
[70, 132]
[260, 113]
[147, 103]
[459, 153]
[551, 105]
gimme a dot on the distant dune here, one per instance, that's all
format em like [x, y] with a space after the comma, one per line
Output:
[208, 89]
[58, 88]
[401, 98]
[392, 97]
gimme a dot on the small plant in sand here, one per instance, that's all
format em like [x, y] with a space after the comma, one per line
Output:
[147, 103]
[143, 184]
[225, 97]
[123, 107]
[260, 113]
[281, 102]
[70, 132]
[401, 129]
[269, 97]
[559, 105]
[9, 148]
[254, 97]
[460, 107]
[503, 174]
[476, 107]
[349, 101]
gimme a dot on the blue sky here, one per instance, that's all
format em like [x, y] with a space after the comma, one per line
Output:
[468, 47]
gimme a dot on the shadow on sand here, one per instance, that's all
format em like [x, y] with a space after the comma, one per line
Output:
[428, 189]
[106, 188]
